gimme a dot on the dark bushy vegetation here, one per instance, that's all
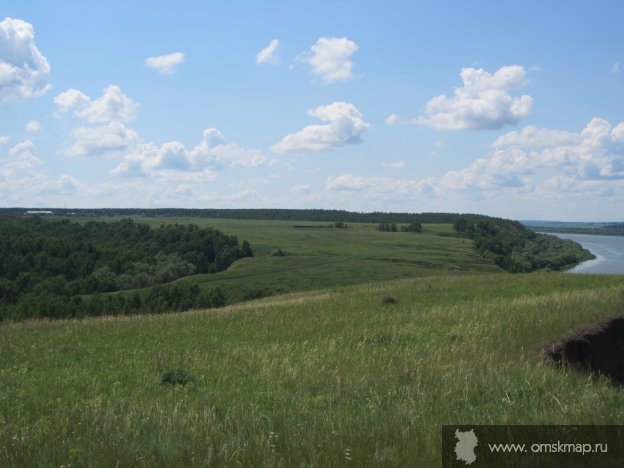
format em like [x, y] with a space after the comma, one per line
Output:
[389, 300]
[60, 269]
[517, 249]
[175, 377]
[335, 225]
[412, 227]
[158, 299]
[388, 227]
[392, 227]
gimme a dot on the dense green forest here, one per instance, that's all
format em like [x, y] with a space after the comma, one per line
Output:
[59, 268]
[517, 249]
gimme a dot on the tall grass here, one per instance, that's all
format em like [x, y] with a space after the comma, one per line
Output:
[328, 378]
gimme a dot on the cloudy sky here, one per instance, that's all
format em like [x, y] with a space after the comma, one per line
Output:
[512, 109]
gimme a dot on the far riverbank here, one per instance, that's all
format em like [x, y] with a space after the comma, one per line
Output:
[609, 252]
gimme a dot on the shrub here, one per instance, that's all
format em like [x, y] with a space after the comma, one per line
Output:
[389, 300]
[175, 377]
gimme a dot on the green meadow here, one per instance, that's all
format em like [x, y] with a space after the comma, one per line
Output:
[316, 255]
[387, 337]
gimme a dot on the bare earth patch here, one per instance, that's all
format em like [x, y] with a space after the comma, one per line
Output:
[598, 349]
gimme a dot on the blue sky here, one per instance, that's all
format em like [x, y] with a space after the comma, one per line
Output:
[512, 109]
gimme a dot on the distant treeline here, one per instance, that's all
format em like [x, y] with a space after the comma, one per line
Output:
[49, 268]
[517, 249]
[612, 229]
[259, 214]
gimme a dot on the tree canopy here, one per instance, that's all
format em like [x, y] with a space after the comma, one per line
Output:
[517, 249]
[47, 267]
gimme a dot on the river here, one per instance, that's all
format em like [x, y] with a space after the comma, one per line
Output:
[609, 252]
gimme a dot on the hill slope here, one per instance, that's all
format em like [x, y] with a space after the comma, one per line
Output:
[321, 378]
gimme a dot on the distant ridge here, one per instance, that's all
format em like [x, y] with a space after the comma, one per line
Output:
[277, 214]
[577, 227]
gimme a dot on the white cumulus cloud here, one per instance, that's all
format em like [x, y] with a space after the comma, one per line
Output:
[112, 106]
[618, 132]
[210, 155]
[535, 137]
[95, 141]
[380, 187]
[345, 125]
[523, 160]
[165, 64]
[24, 71]
[330, 57]
[24, 151]
[33, 126]
[64, 185]
[528, 167]
[268, 54]
[21, 161]
[213, 151]
[392, 119]
[24, 180]
[483, 102]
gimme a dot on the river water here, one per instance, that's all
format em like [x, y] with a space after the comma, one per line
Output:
[609, 252]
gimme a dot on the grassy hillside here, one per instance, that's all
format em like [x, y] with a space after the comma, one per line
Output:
[324, 378]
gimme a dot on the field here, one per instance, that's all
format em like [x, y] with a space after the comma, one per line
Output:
[361, 374]
[318, 256]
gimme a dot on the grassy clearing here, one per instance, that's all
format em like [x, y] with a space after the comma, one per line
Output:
[321, 378]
